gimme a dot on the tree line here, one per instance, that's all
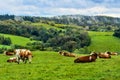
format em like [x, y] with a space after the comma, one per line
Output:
[94, 23]
[68, 39]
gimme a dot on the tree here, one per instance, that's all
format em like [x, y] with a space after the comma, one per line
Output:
[69, 46]
[117, 33]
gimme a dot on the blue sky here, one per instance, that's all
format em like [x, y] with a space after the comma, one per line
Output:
[60, 7]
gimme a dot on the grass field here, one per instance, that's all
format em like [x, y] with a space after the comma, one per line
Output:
[48, 65]
[16, 40]
[45, 25]
[104, 41]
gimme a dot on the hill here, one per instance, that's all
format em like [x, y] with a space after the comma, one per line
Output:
[96, 23]
[16, 40]
[104, 41]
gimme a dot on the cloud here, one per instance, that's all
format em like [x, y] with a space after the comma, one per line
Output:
[60, 7]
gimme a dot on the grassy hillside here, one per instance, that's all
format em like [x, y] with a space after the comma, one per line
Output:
[101, 41]
[56, 26]
[46, 25]
[17, 40]
[104, 41]
[52, 66]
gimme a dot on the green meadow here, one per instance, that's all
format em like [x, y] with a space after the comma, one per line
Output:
[56, 26]
[16, 40]
[49, 65]
[104, 41]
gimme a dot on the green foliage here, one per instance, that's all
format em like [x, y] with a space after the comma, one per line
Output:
[5, 40]
[6, 17]
[117, 33]
[2, 49]
[70, 40]
[94, 23]
[84, 50]
[49, 65]
[57, 39]
[36, 46]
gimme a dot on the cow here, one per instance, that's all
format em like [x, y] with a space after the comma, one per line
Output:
[23, 54]
[13, 59]
[89, 58]
[8, 53]
[105, 55]
[67, 54]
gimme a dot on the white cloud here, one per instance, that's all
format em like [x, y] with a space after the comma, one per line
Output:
[86, 11]
[60, 7]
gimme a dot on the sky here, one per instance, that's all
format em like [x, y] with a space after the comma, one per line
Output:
[50, 8]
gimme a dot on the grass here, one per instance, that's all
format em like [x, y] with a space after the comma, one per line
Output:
[48, 65]
[104, 41]
[44, 25]
[56, 26]
[17, 39]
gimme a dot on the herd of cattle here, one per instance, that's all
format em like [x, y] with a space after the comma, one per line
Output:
[88, 58]
[25, 55]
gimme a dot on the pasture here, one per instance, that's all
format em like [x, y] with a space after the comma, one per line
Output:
[49, 65]
[16, 40]
[104, 41]
[45, 25]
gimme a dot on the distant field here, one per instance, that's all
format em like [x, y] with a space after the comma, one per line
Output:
[104, 41]
[56, 26]
[45, 25]
[48, 65]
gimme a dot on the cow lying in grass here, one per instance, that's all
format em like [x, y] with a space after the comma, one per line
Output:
[13, 59]
[8, 53]
[23, 54]
[83, 59]
[67, 54]
[105, 55]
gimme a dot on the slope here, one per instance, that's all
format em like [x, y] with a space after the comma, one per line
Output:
[104, 41]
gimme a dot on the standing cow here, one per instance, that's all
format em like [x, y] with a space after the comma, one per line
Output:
[23, 54]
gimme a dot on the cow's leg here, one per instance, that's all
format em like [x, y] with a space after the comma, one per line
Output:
[18, 60]
[26, 60]
[30, 58]
[23, 59]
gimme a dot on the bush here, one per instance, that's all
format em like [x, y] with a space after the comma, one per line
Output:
[117, 33]
[5, 40]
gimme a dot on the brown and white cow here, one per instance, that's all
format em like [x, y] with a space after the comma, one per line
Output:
[83, 59]
[105, 55]
[8, 53]
[68, 54]
[13, 59]
[23, 54]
